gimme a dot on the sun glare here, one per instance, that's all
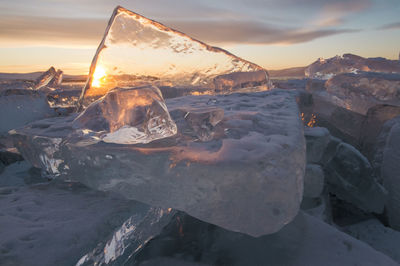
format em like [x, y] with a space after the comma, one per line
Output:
[98, 76]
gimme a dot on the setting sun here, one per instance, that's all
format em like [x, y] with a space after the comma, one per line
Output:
[98, 76]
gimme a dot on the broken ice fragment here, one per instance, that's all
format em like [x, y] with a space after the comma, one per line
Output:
[57, 79]
[128, 116]
[136, 50]
[198, 122]
[45, 78]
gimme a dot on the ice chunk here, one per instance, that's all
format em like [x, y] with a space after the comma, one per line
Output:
[128, 116]
[375, 234]
[200, 123]
[360, 92]
[350, 177]
[55, 82]
[373, 124]
[137, 50]
[19, 107]
[387, 162]
[304, 241]
[129, 238]
[247, 179]
[57, 223]
[63, 98]
[313, 181]
[317, 140]
[349, 63]
[45, 78]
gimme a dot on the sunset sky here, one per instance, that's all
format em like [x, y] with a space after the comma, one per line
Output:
[272, 33]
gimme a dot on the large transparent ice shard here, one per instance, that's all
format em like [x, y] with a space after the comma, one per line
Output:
[45, 78]
[137, 50]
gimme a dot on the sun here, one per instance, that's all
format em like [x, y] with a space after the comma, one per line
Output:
[98, 76]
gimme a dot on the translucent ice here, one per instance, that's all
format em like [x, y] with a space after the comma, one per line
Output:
[55, 82]
[45, 78]
[359, 92]
[248, 178]
[128, 116]
[349, 63]
[137, 50]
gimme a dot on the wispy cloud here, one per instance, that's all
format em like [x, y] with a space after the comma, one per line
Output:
[251, 32]
[391, 26]
[69, 32]
[337, 12]
[51, 31]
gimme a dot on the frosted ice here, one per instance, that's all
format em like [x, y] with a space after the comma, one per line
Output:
[137, 50]
[57, 223]
[387, 163]
[128, 116]
[45, 78]
[349, 63]
[304, 241]
[360, 92]
[55, 82]
[20, 107]
[248, 178]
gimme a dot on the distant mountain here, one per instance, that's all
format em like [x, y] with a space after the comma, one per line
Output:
[34, 75]
[294, 72]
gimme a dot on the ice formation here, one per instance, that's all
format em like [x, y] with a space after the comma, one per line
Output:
[128, 116]
[57, 223]
[50, 79]
[19, 107]
[248, 177]
[137, 50]
[387, 163]
[349, 63]
[360, 92]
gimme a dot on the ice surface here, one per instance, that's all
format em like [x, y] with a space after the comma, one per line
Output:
[349, 63]
[304, 241]
[350, 177]
[57, 223]
[19, 107]
[388, 158]
[137, 50]
[313, 181]
[128, 116]
[360, 92]
[45, 78]
[317, 139]
[248, 178]
[378, 236]
[55, 82]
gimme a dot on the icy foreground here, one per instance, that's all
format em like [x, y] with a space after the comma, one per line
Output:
[59, 223]
[247, 177]
[137, 50]
[304, 241]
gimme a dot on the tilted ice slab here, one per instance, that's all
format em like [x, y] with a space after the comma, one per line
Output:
[360, 92]
[137, 50]
[247, 178]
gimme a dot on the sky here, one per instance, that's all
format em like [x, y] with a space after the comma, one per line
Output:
[275, 34]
